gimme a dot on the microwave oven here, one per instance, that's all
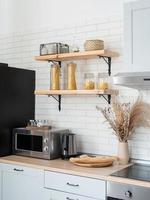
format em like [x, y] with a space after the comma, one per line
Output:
[45, 144]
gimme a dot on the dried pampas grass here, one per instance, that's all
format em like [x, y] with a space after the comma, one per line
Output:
[124, 118]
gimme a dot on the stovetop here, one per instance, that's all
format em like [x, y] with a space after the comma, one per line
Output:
[136, 171]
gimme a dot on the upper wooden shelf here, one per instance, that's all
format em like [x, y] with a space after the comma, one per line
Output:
[76, 92]
[77, 55]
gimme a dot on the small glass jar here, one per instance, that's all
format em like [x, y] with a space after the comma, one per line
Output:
[55, 77]
[89, 81]
[103, 81]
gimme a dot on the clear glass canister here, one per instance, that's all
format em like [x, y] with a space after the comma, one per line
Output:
[55, 77]
[71, 83]
[89, 81]
[103, 81]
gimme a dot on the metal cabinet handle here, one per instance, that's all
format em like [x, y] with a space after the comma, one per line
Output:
[67, 198]
[73, 185]
[18, 170]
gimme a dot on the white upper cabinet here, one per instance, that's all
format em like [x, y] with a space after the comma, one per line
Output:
[137, 36]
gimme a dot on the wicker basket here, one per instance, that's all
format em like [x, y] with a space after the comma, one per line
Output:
[92, 45]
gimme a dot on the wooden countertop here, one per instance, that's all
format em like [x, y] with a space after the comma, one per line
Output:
[64, 166]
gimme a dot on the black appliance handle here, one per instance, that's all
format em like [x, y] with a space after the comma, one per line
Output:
[65, 142]
[111, 198]
[146, 79]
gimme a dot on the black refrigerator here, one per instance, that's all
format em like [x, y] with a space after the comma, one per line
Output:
[17, 103]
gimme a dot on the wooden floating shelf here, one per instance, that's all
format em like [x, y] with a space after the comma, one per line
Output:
[76, 92]
[106, 94]
[77, 55]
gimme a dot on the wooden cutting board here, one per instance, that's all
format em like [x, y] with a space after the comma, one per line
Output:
[94, 165]
[97, 161]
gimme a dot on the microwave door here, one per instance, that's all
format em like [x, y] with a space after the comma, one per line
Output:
[27, 142]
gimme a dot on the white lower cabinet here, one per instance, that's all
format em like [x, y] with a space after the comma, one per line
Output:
[21, 183]
[24, 183]
[57, 195]
[74, 187]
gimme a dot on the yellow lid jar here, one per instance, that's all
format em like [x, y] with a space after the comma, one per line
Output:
[103, 81]
[55, 77]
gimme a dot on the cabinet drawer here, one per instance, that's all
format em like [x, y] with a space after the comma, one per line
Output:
[75, 184]
[22, 170]
[56, 195]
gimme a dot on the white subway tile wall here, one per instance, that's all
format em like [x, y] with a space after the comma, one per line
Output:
[78, 113]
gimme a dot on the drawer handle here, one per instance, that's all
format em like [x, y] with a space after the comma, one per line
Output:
[67, 198]
[18, 170]
[73, 185]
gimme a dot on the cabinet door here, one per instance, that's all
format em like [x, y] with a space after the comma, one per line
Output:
[137, 36]
[56, 195]
[20, 183]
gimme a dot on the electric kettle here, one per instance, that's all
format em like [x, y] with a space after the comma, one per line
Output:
[69, 147]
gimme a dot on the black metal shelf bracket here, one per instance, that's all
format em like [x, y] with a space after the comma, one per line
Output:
[57, 99]
[108, 98]
[108, 62]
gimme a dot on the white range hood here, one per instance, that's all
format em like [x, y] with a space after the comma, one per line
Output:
[137, 80]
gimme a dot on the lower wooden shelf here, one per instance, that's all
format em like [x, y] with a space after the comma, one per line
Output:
[106, 94]
[76, 92]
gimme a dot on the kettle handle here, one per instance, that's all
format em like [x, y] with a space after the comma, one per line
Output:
[65, 142]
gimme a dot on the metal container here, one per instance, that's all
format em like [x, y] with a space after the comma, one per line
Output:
[53, 48]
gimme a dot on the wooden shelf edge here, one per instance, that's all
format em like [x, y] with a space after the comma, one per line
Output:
[77, 55]
[76, 92]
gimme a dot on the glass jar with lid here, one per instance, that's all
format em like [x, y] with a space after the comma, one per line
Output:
[103, 81]
[89, 81]
[55, 77]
